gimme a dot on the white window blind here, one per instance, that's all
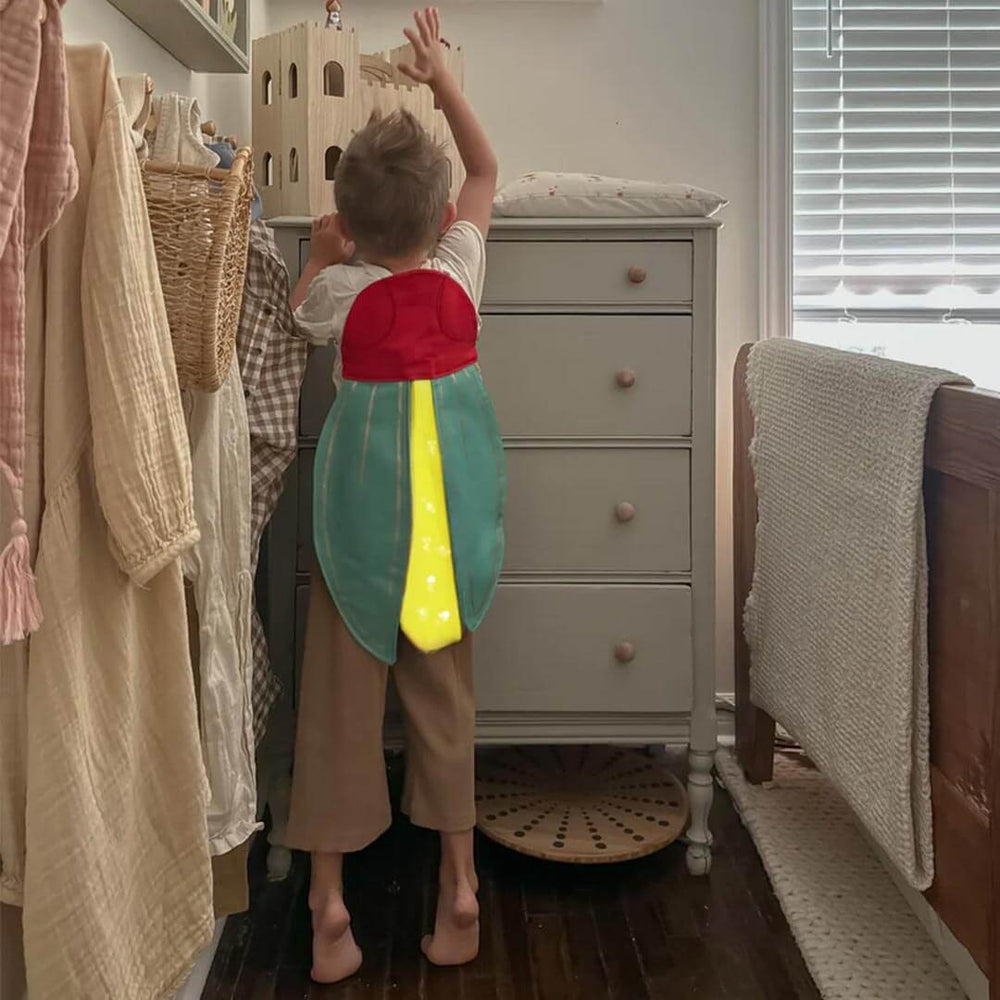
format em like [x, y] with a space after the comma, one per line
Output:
[896, 144]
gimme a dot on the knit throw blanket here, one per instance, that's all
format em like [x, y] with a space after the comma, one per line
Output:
[836, 619]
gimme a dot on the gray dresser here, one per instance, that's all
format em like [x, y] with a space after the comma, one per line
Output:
[598, 348]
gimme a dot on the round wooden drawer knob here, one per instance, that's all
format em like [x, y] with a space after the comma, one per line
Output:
[624, 652]
[636, 274]
[625, 512]
[625, 378]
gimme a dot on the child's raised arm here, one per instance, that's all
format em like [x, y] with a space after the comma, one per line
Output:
[327, 246]
[475, 200]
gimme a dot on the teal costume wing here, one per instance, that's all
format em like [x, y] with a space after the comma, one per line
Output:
[475, 483]
[361, 508]
[361, 501]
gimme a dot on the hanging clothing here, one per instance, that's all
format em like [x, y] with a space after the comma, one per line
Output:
[273, 362]
[14, 658]
[178, 139]
[116, 879]
[38, 168]
[218, 566]
[227, 155]
[230, 875]
[137, 93]
[37, 178]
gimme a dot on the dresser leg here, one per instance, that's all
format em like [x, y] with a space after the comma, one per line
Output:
[279, 858]
[279, 863]
[274, 770]
[701, 789]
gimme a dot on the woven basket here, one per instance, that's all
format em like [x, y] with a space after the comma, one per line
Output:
[201, 223]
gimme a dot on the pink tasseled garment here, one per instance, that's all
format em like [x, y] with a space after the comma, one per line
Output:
[38, 177]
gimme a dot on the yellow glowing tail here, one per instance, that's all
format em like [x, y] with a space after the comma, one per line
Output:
[430, 616]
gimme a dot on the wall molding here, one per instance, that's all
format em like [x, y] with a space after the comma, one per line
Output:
[774, 202]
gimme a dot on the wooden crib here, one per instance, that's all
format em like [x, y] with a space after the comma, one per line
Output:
[962, 499]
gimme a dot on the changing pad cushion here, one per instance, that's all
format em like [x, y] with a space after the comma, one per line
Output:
[552, 195]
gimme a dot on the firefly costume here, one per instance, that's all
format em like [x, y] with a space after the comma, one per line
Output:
[409, 488]
[409, 474]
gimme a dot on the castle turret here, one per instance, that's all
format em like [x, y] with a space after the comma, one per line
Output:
[312, 91]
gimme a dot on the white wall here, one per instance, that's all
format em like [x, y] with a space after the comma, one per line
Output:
[133, 50]
[661, 89]
[226, 96]
[222, 96]
[637, 88]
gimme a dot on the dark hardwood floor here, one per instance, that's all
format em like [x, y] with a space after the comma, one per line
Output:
[642, 930]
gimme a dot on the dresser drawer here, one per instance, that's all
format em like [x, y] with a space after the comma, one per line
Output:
[588, 376]
[303, 542]
[587, 273]
[585, 649]
[318, 392]
[566, 510]
[563, 510]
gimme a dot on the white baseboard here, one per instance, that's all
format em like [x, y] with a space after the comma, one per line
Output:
[725, 714]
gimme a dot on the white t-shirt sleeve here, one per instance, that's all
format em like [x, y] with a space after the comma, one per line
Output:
[321, 316]
[461, 254]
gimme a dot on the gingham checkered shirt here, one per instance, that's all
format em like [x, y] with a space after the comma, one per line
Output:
[272, 362]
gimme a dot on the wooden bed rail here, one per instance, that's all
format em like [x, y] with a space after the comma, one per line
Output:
[962, 504]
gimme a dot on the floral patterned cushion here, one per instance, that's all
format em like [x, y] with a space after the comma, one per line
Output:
[587, 195]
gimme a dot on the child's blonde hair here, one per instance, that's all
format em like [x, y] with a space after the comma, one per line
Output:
[391, 186]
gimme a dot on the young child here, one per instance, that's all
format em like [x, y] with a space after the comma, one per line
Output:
[408, 496]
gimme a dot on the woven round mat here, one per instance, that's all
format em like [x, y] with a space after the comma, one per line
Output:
[581, 804]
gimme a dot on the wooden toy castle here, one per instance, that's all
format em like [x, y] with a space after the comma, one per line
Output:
[313, 89]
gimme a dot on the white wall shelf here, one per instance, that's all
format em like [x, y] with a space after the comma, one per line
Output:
[191, 34]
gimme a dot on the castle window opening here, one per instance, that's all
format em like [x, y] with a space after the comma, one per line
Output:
[268, 170]
[333, 79]
[332, 159]
[268, 84]
[293, 165]
[293, 80]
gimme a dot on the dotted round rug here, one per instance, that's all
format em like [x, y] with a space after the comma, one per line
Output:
[581, 804]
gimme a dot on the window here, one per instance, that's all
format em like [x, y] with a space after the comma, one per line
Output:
[293, 165]
[332, 159]
[896, 176]
[293, 80]
[333, 79]
[268, 170]
[267, 84]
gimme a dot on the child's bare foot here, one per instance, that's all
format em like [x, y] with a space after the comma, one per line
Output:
[336, 954]
[455, 940]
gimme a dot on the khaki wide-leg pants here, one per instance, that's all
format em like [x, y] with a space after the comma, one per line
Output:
[340, 796]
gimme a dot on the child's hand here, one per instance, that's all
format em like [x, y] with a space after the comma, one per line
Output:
[327, 245]
[428, 48]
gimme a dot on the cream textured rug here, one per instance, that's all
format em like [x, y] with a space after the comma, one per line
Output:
[836, 620]
[858, 935]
